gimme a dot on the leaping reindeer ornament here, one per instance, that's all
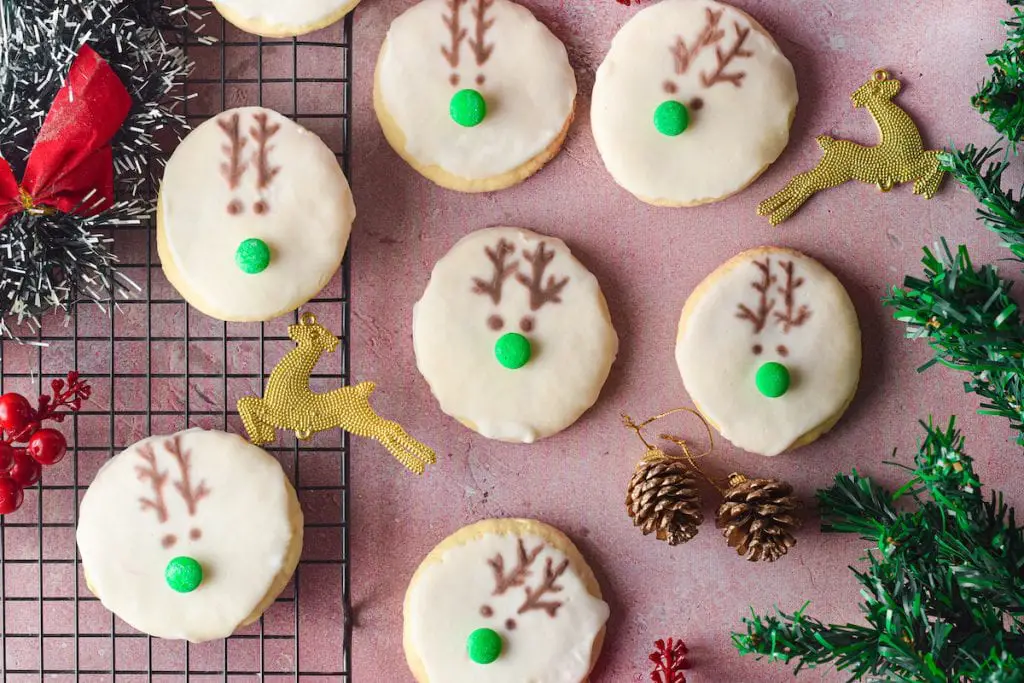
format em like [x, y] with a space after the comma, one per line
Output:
[900, 157]
[289, 403]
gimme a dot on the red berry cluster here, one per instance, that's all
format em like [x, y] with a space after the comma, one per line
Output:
[669, 659]
[22, 424]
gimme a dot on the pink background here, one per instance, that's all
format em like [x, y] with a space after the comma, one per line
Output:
[648, 260]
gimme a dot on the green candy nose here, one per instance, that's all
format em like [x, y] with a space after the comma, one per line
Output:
[671, 118]
[468, 108]
[183, 574]
[512, 350]
[252, 256]
[484, 646]
[772, 379]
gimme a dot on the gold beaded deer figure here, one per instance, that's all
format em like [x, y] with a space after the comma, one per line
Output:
[289, 403]
[900, 157]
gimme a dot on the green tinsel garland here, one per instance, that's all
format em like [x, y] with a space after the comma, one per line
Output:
[53, 261]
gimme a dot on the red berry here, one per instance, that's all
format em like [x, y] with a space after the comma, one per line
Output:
[11, 495]
[25, 471]
[16, 414]
[47, 446]
[6, 456]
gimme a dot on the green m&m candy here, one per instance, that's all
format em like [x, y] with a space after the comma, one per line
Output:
[772, 379]
[512, 350]
[468, 108]
[671, 118]
[183, 574]
[252, 256]
[484, 646]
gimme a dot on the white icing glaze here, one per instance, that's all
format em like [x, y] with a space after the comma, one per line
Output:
[244, 546]
[307, 224]
[530, 88]
[443, 608]
[731, 139]
[574, 342]
[715, 351]
[308, 13]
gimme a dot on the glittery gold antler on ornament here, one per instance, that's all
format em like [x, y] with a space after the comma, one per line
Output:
[289, 403]
[900, 157]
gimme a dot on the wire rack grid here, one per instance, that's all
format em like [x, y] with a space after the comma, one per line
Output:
[158, 366]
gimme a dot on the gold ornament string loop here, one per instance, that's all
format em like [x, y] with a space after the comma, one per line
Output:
[307, 318]
[880, 75]
[655, 453]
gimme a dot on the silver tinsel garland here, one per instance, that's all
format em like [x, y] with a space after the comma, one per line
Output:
[53, 261]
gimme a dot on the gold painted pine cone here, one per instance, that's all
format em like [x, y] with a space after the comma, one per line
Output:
[758, 517]
[663, 499]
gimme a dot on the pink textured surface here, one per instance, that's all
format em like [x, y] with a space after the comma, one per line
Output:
[648, 260]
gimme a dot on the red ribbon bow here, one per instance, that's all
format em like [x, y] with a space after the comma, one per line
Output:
[71, 167]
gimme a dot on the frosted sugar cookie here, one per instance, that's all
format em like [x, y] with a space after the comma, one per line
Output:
[279, 19]
[693, 102]
[504, 601]
[190, 536]
[254, 216]
[513, 335]
[769, 349]
[477, 95]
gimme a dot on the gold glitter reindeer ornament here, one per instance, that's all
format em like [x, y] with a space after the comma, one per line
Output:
[900, 157]
[289, 403]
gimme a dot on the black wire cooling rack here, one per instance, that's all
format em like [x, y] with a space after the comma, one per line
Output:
[157, 366]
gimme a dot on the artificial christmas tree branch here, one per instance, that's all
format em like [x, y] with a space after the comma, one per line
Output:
[944, 587]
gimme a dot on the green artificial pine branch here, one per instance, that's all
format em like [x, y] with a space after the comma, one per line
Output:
[999, 97]
[944, 586]
[972, 324]
[981, 172]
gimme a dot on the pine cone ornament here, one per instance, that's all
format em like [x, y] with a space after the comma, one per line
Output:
[758, 517]
[663, 499]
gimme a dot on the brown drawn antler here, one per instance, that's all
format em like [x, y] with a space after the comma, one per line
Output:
[533, 596]
[234, 168]
[541, 293]
[191, 495]
[520, 572]
[709, 35]
[764, 305]
[790, 319]
[479, 42]
[157, 480]
[725, 58]
[458, 34]
[502, 270]
[262, 133]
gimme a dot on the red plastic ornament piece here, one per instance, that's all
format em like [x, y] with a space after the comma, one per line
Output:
[16, 414]
[6, 456]
[47, 446]
[11, 495]
[669, 658]
[26, 471]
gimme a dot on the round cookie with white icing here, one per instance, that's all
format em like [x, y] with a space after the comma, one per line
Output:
[254, 216]
[476, 95]
[513, 335]
[504, 601]
[769, 349]
[277, 19]
[190, 536]
[693, 102]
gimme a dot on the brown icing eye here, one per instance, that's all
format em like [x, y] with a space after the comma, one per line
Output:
[670, 87]
[481, 79]
[696, 104]
[782, 351]
[169, 540]
[486, 612]
[757, 349]
[454, 79]
[510, 624]
[260, 208]
[495, 322]
[526, 324]
[195, 534]
[235, 208]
